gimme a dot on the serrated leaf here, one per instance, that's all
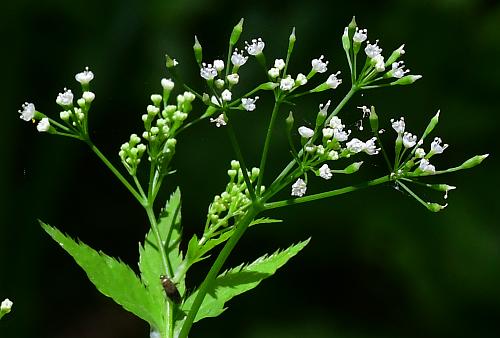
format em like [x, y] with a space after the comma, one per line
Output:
[150, 261]
[111, 277]
[265, 220]
[240, 279]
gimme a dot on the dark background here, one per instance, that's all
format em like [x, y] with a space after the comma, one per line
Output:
[378, 265]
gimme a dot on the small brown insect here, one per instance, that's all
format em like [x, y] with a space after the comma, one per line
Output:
[170, 289]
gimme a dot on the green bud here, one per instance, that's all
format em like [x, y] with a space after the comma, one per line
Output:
[291, 43]
[170, 63]
[235, 34]
[346, 42]
[351, 169]
[255, 173]
[235, 165]
[474, 161]
[320, 88]
[198, 53]
[156, 99]
[267, 86]
[232, 173]
[352, 27]
[432, 124]
[435, 207]
[395, 55]
[321, 117]
[373, 120]
[289, 122]
[406, 80]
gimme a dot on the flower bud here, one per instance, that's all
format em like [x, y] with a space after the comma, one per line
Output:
[373, 120]
[406, 80]
[474, 161]
[235, 34]
[198, 52]
[156, 99]
[351, 169]
[435, 207]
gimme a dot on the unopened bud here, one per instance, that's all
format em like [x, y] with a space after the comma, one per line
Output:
[198, 51]
[474, 161]
[235, 34]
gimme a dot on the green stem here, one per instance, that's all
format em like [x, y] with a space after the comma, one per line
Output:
[263, 159]
[120, 177]
[168, 271]
[309, 198]
[239, 155]
[216, 267]
[291, 164]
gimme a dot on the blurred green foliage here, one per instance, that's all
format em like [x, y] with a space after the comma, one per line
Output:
[392, 269]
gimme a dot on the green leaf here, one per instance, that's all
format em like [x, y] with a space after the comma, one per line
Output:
[111, 277]
[150, 259]
[265, 220]
[240, 279]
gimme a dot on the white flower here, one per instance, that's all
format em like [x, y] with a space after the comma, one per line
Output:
[64, 115]
[233, 78]
[43, 125]
[279, 63]
[425, 166]
[328, 132]
[255, 47]
[28, 112]
[238, 59]
[372, 50]
[332, 81]
[299, 188]
[208, 72]
[306, 132]
[436, 147]
[336, 123]
[399, 125]
[249, 103]
[273, 72]
[219, 121]
[409, 140]
[188, 96]
[167, 84]
[89, 96]
[318, 65]
[323, 108]
[214, 100]
[65, 99]
[379, 63]
[333, 155]
[398, 70]
[420, 153]
[219, 65]
[6, 305]
[84, 77]
[325, 172]
[287, 83]
[341, 135]
[301, 79]
[310, 149]
[226, 95]
[370, 147]
[360, 35]
[355, 146]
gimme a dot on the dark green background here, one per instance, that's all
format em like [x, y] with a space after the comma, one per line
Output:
[378, 265]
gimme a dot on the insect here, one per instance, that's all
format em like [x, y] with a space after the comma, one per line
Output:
[170, 289]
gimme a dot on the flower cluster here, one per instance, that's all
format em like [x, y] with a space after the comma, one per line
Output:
[233, 201]
[334, 145]
[375, 67]
[161, 123]
[74, 117]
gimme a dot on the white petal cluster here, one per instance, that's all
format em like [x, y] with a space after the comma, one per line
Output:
[372, 50]
[325, 172]
[219, 65]
[256, 47]
[207, 71]
[306, 132]
[426, 167]
[6, 305]
[398, 125]
[301, 79]
[360, 35]
[333, 81]
[369, 147]
[65, 98]
[409, 140]
[28, 111]
[318, 65]
[238, 59]
[279, 63]
[437, 147]
[84, 77]
[249, 103]
[43, 125]
[287, 83]
[299, 188]
[397, 70]
[167, 84]
[219, 121]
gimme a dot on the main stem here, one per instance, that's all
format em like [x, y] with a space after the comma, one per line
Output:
[263, 159]
[241, 226]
